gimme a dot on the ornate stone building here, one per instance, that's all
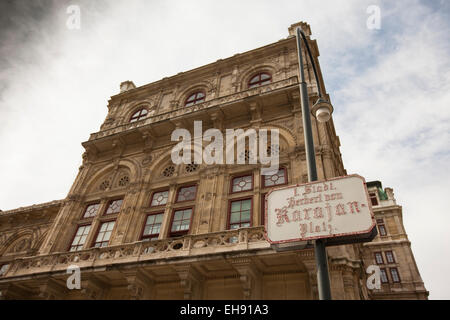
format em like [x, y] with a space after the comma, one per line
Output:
[140, 227]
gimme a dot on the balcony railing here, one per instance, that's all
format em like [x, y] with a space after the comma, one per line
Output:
[201, 106]
[186, 246]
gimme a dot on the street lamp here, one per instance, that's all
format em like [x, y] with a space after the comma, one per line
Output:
[322, 110]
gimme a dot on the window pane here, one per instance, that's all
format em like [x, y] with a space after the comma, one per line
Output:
[235, 206]
[390, 257]
[394, 274]
[160, 198]
[265, 76]
[242, 183]
[382, 230]
[235, 217]
[181, 220]
[187, 214]
[91, 210]
[245, 216]
[104, 234]
[114, 206]
[158, 218]
[246, 204]
[383, 274]
[255, 79]
[378, 258]
[153, 225]
[80, 238]
[186, 193]
[178, 215]
[240, 215]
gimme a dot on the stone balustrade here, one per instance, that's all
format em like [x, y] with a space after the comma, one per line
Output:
[197, 107]
[186, 246]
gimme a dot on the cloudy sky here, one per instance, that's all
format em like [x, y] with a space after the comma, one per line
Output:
[390, 88]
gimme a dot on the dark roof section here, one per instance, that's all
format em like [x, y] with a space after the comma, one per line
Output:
[372, 184]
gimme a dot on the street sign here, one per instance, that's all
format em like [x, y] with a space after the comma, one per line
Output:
[338, 210]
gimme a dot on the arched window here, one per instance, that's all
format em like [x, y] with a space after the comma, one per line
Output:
[259, 80]
[139, 115]
[195, 98]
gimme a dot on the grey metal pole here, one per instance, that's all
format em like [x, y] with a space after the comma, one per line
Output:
[323, 279]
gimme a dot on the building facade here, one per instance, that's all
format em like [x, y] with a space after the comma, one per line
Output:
[140, 227]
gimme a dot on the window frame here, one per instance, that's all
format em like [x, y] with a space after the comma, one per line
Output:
[145, 224]
[86, 206]
[259, 74]
[383, 225]
[240, 176]
[153, 194]
[386, 274]
[386, 256]
[94, 240]
[174, 234]
[186, 186]
[372, 198]
[75, 234]
[196, 99]
[108, 204]
[381, 255]
[139, 118]
[230, 201]
[263, 180]
[398, 275]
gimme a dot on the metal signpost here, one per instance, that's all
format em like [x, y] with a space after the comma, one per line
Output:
[337, 211]
[322, 110]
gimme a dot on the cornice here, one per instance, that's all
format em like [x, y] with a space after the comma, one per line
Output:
[208, 69]
[34, 207]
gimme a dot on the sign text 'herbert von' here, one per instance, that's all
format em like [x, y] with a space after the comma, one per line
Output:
[323, 209]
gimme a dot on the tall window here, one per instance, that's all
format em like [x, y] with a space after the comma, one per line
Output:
[114, 206]
[152, 226]
[80, 238]
[381, 227]
[259, 80]
[373, 198]
[383, 275]
[159, 198]
[104, 234]
[394, 274]
[243, 183]
[240, 214]
[379, 258]
[181, 222]
[276, 179]
[195, 98]
[186, 193]
[389, 257]
[139, 115]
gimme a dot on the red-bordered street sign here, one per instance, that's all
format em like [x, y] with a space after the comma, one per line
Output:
[337, 209]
